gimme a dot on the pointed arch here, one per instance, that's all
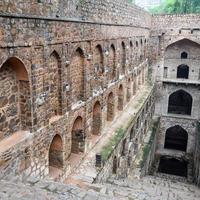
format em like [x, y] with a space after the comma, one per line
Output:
[112, 63]
[15, 97]
[98, 59]
[110, 107]
[120, 98]
[78, 137]
[55, 96]
[77, 75]
[184, 55]
[181, 41]
[97, 119]
[176, 138]
[131, 53]
[180, 102]
[128, 97]
[56, 156]
[123, 57]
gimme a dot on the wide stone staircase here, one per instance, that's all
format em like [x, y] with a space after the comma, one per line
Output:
[147, 188]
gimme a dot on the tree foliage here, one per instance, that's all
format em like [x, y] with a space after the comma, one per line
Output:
[177, 7]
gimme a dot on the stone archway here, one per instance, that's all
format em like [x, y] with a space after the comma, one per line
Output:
[56, 157]
[110, 107]
[98, 68]
[78, 137]
[128, 97]
[176, 138]
[55, 95]
[77, 74]
[123, 57]
[184, 55]
[120, 98]
[97, 119]
[15, 97]
[180, 102]
[183, 71]
[112, 64]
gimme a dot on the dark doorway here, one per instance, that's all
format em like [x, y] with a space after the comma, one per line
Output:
[176, 138]
[173, 166]
[180, 102]
[183, 71]
[184, 55]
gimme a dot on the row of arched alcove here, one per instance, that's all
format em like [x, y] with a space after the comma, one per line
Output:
[56, 151]
[17, 86]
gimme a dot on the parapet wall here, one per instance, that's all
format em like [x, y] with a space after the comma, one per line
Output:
[42, 8]
[115, 11]
[190, 21]
[106, 11]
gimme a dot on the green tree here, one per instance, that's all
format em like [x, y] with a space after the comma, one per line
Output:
[177, 7]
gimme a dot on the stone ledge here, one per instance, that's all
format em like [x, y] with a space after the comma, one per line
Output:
[13, 140]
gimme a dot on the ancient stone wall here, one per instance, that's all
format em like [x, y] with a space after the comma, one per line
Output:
[107, 11]
[174, 56]
[123, 157]
[167, 22]
[59, 59]
[41, 8]
[67, 69]
[190, 127]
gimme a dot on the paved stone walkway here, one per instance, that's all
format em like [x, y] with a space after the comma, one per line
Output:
[152, 188]
[86, 172]
[35, 189]
[148, 188]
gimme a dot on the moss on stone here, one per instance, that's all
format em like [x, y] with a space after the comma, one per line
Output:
[113, 142]
[147, 147]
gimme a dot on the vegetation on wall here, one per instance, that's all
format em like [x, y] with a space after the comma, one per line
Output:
[148, 146]
[110, 146]
[177, 7]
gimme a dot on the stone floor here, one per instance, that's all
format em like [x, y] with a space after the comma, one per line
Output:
[148, 188]
[152, 188]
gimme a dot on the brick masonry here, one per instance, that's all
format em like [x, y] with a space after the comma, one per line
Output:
[68, 67]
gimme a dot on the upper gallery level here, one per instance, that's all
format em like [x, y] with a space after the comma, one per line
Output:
[181, 62]
[106, 11]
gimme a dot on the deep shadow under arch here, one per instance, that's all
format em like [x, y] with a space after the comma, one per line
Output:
[183, 71]
[176, 138]
[173, 166]
[180, 102]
